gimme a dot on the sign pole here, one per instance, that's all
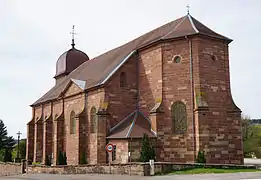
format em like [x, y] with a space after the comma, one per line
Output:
[110, 161]
[109, 149]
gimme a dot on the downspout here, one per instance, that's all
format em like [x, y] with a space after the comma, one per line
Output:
[138, 82]
[192, 96]
[87, 125]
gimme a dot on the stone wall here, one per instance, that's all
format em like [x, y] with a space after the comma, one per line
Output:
[141, 169]
[122, 100]
[175, 146]
[220, 126]
[150, 78]
[74, 104]
[9, 169]
[121, 151]
[127, 169]
[95, 99]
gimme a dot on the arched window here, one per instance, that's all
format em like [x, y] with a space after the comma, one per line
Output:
[179, 117]
[72, 123]
[93, 118]
[123, 79]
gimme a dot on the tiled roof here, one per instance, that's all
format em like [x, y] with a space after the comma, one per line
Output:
[96, 71]
[135, 125]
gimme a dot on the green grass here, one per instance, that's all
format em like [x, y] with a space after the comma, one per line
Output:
[211, 170]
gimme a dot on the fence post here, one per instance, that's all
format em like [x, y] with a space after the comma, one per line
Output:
[152, 168]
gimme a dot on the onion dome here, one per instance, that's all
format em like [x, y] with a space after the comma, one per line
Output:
[69, 61]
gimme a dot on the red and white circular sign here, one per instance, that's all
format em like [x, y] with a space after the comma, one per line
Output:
[109, 147]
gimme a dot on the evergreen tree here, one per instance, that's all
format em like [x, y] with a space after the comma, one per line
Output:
[8, 155]
[62, 159]
[6, 143]
[3, 135]
[147, 151]
[201, 157]
[22, 150]
[83, 159]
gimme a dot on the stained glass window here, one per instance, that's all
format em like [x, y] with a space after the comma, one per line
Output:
[179, 117]
[72, 123]
[93, 117]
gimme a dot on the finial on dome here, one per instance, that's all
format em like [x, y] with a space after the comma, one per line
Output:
[188, 8]
[73, 33]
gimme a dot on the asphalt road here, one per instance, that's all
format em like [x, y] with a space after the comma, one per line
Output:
[227, 176]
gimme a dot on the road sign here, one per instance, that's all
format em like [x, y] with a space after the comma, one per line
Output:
[109, 147]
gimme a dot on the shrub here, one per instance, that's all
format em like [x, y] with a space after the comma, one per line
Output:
[48, 160]
[36, 163]
[62, 159]
[201, 157]
[83, 159]
[147, 151]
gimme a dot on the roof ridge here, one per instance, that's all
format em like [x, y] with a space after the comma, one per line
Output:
[122, 121]
[117, 67]
[176, 27]
[132, 124]
[192, 23]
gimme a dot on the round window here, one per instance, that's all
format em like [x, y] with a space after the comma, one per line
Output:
[177, 59]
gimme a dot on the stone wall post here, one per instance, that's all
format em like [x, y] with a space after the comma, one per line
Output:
[157, 116]
[47, 139]
[57, 139]
[82, 136]
[101, 136]
[30, 142]
[38, 141]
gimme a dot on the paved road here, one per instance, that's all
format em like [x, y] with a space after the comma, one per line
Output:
[228, 176]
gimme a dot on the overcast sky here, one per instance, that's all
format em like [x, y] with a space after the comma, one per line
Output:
[33, 34]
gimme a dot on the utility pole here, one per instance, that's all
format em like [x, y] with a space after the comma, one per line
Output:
[18, 149]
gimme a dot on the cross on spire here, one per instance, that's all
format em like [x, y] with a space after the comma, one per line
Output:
[73, 33]
[188, 8]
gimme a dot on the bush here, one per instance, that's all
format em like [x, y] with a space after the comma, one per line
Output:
[7, 155]
[62, 159]
[48, 161]
[36, 163]
[83, 159]
[201, 157]
[147, 151]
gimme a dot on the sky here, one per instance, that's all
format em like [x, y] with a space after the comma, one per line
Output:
[33, 34]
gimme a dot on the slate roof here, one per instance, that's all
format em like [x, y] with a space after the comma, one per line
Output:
[97, 70]
[133, 126]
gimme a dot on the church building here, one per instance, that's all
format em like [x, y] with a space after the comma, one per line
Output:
[172, 83]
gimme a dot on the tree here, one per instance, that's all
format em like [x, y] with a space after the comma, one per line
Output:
[251, 137]
[6, 143]
[7, 155]
[147, 150]
[3, 135]
[22, 150]
[62, 159]
[83, 159]
[201, 157]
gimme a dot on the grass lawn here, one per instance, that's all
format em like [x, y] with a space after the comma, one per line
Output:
[211, 170]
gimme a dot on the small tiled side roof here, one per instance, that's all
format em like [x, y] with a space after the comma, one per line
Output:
[97, 70]
[134, 125]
